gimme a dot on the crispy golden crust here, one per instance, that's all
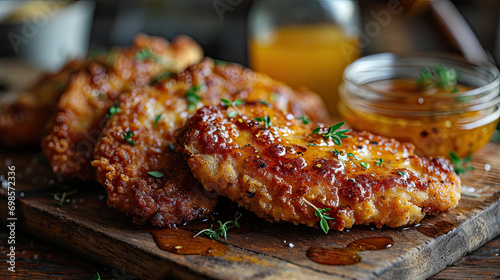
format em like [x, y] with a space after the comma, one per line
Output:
[270, 171]
[23, 119]
[92, 90]
[153, 114]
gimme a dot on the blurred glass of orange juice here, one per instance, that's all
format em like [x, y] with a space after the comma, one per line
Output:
[310, 54]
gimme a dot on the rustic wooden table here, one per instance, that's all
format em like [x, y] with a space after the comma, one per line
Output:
[40, 260]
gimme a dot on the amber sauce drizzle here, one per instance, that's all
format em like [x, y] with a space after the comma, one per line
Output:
[181, 242]
[434, 230]
[348, 255]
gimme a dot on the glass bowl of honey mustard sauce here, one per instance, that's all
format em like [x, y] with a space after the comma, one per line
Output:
[439, 102]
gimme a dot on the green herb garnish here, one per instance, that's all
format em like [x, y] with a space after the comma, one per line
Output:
[223, 228]
[333, 134]
[156, 174]
[350, 154]
[461, 166]
[262, 101]
[127, 137]
[322, 214]
[60, 198]
[364, 164]
[192, 97]
[171, 146]
[144, 54]
[160, 77]
[438, 76]
[401, 173]
[232, 114]
[96, 276]
[157, 119]
[311, 144]
[379, 162]
[336, 152]
[266, 120]
[113, 110]
[305, 119]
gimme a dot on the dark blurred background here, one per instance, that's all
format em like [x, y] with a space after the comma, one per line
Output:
[220, 26]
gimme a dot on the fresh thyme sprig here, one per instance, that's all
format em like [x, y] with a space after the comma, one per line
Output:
[227, 103]
[322, 214]
[127, 136]
[266, 120]
[192, 97]
[438, 76]
[333, 134]
[60, 198]
[461, 166]
[223, 228]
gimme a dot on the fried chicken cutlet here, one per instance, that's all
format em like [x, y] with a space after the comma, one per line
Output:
[23, 118]
[140, 139]
[93, 90]
[277, 167]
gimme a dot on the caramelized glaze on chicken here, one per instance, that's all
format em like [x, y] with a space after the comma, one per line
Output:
[94, 88]
[273, 170]
[151, 115]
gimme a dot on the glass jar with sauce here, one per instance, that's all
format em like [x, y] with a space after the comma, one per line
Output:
[305, 42]
[381, 94]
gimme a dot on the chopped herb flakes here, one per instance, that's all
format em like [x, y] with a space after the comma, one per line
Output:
[379, 162]
[305, 119]
[223, 228]
[127, 137]
[364, 164]
[113, 110]
[156, 174]
[438, 76]
[96, 276]
[157, 119]
[401, 173]
[461, 166]
[144, 54]
[262, 101]
[266, 120]
[192, 98]
[158, 78]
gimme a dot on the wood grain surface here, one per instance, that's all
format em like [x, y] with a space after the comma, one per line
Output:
[88, 227]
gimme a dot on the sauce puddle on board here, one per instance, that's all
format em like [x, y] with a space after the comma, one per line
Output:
[181, 242]
[348, 255]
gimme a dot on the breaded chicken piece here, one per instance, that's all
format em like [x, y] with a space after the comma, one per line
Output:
[278, 171]
[23, 118]
[140, 139]
[81, 109]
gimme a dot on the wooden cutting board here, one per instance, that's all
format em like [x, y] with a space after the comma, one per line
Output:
[87, 226]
